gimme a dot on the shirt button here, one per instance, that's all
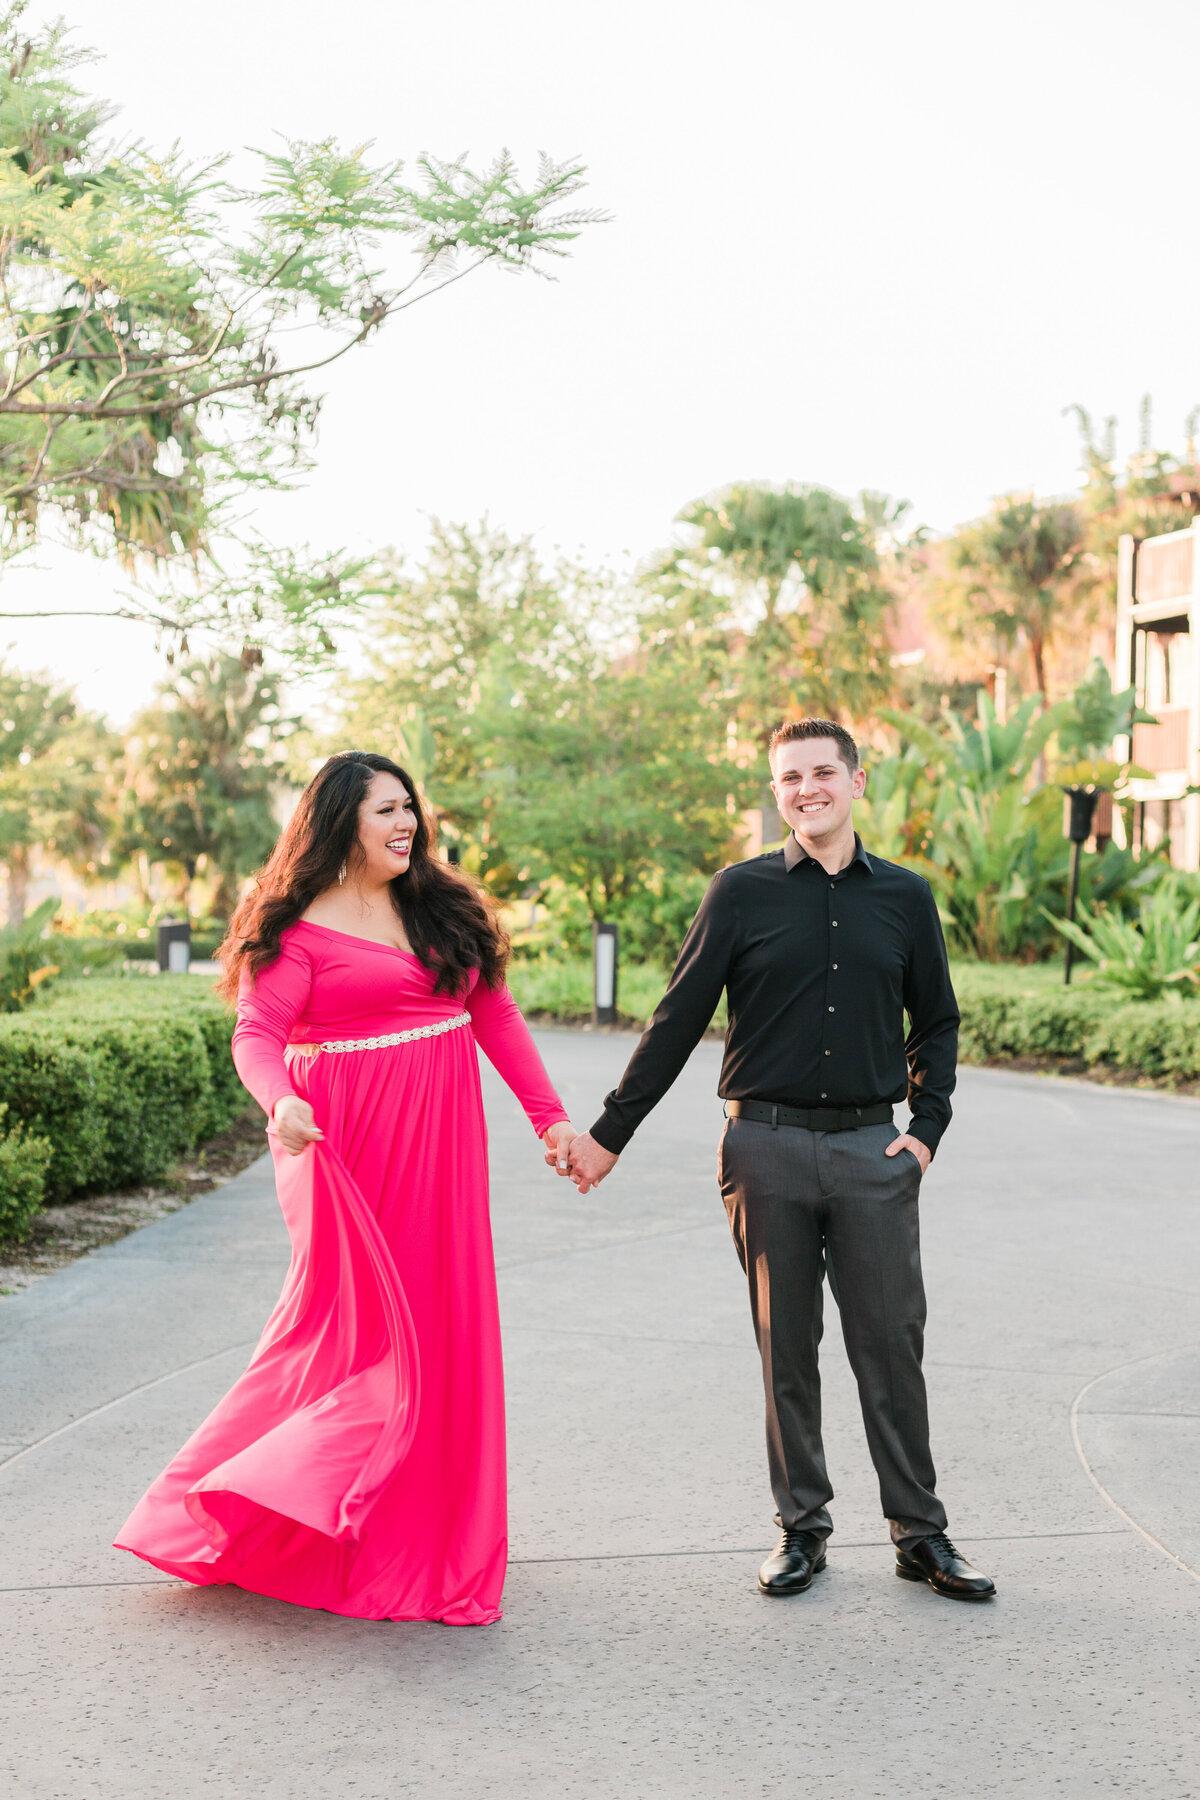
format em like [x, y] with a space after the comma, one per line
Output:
[835, 965]
[835, 921]
[824, 1096]
[829, 1053]
[831, 1009]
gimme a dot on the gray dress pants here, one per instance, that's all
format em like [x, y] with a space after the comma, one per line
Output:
[798, 1202]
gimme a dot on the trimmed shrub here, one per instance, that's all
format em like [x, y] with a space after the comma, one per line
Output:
[24, 1160]
[1008, 1011]
[1006, 1014]
[121, 1076]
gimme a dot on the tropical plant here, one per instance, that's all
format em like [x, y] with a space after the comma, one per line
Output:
[26, 958]
[767, 537]
[1003, 856]
[1152, 957]
[803, 566]
[988, 753]
[1019, 576]
[1096, 715]
[959, 803]
[895, 815]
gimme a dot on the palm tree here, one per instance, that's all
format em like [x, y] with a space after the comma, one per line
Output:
[808, 560]
[766, 535]
[1020, 573]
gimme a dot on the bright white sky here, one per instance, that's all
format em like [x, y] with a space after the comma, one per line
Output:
[867, 245]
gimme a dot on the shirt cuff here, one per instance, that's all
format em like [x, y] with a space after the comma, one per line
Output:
[609, 1135]
[927, 1132]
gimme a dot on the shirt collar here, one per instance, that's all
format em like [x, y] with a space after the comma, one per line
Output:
[793, 854]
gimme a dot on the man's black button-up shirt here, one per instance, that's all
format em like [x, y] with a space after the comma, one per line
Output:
[819, 971]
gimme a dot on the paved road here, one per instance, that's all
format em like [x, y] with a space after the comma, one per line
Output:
[1062, 1252]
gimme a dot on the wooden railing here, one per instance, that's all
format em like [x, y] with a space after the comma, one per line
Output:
[1163, 746]
[1164, 568]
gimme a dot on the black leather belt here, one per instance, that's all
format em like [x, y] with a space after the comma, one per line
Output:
[810, 1118]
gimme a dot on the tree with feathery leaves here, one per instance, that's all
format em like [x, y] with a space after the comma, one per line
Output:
[148, 312]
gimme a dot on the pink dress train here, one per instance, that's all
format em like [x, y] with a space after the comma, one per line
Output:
[358, 1465]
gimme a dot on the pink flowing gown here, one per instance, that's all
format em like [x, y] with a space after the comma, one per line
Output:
[358, 1465]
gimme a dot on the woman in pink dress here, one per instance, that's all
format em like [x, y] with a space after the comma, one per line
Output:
[358, 1465]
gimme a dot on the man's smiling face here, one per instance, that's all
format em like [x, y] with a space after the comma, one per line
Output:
[814, 789]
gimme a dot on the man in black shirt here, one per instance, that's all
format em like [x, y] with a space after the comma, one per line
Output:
[821, 950]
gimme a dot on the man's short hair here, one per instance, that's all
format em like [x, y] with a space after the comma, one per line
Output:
[800, 730]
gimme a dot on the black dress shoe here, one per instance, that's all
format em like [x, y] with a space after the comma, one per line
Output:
[935, 1560]
[796, 1558]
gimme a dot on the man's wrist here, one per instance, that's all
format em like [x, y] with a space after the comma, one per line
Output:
[925, 1132]
[607, 1135]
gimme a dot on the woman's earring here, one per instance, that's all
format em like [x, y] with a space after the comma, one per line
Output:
[341, 874]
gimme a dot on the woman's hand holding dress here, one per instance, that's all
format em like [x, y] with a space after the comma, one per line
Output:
[294, 1124]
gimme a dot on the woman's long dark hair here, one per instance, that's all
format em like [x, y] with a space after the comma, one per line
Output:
[450, 924]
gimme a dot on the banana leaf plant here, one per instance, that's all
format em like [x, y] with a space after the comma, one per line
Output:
[1155, 956]
[27, 958]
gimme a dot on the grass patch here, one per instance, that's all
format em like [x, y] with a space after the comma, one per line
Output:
[559, 989]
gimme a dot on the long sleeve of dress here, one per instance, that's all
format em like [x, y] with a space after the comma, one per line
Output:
[505, 1040]
[268, 1010]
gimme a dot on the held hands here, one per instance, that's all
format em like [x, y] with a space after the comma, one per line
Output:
[294, 1124]
[577, 1155]
[922, 1152]
[590, 1162]
[558, 1143]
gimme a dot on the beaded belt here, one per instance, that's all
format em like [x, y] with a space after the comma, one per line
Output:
[384, 1043]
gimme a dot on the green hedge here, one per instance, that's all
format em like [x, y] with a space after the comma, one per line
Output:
[120, 1075]
[24, 1160]
[1008, 1011]
[104, 1081]
[1011, 1013]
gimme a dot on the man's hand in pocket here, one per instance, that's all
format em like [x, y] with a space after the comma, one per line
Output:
[922, 1152]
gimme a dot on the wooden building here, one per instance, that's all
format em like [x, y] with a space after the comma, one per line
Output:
[1158, 653]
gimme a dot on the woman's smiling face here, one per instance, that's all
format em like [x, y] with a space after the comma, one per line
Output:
[387, 824]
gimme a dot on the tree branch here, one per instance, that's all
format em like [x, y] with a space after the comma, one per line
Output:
[78, 409]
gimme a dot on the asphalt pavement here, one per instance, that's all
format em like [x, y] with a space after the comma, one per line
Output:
[1061, 1231]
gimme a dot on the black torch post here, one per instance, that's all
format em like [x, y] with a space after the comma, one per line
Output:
[1079, 808]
